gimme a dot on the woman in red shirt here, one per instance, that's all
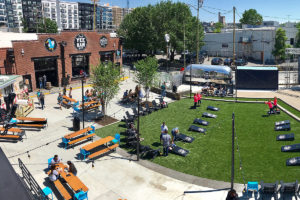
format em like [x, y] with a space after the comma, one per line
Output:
[199, 98]
[269, 103]
[195, 100]
[275, 103]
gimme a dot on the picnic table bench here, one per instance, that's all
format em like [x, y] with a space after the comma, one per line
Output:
[78, 136]
[90, 105]
[5, 136]
[32, 119]
[31, 125]
[67, 101]
[87, 148]
[73, 182]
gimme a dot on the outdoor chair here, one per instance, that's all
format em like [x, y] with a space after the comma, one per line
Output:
[269, 189]
[48, 191]
[76, 110]
[252, 186]
[163, 103]
[80, 195]
[117, 138]
[155, 106]
[144, 110]
[84, 153]
[65, 142]
[148, 109]
[130, 117]
[49, 162]
[92, 131]
[289, 188]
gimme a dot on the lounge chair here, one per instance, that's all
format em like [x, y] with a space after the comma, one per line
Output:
[285, 127]
[291, 148]
[285, 137]
[197, 129]
[269, 189]
[155, 106]
[178, 150]
[280, 123]
[289, 188]
[293, 161]
[209, 115]
[212, 108]
[184, 138]
[201, 122]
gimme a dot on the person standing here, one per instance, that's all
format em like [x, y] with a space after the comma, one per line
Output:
[163, 90]
[275, 108]
[166, 140]
[269, 103]
[163, 127]
[41, 82]
[42, 100]
[174, 133]
[195, 100]
[64, 91]
[70, 92]
[199, 98]
[45, 81]
[60, 100]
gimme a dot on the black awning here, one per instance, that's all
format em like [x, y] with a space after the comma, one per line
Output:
[11, 186]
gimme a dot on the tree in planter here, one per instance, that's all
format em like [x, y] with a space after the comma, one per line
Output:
[280, 45]
[146, 71]
[106, 79]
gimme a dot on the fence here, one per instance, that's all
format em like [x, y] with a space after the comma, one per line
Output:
[31, 182]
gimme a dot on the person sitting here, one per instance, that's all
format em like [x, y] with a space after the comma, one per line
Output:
[174, 132]
[269, 103]
[55, 160]
[53, 175]
[125, 95]
[72, 168]
[60, 100]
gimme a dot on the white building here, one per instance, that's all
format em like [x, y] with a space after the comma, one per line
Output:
[65, 15]
[3, 19]
[254, 43]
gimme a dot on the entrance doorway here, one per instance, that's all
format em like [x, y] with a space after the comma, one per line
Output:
[47, 67]
[106, 56]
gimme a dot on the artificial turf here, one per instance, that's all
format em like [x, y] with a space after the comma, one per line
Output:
[210, 154]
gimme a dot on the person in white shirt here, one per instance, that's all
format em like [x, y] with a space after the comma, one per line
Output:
[163, 127]
[53, 173]
[55, 160]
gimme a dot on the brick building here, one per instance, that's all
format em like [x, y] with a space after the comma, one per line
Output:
[80, 50]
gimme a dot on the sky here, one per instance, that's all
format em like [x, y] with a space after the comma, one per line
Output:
[271, 10]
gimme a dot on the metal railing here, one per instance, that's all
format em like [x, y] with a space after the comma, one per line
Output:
[33, 186]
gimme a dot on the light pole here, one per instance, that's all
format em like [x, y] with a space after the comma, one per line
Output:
[167, 39]
[138, 129]
[82, 97]
[63, 44]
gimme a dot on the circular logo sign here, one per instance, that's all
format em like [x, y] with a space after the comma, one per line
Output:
[80, 42]
[103, 41]
[50, 44]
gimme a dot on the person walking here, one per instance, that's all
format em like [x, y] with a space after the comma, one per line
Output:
[70, 92]
[41, 82]
[60, 100]
[45, 80]
[42, 100]
[195, 100]
[163, 90]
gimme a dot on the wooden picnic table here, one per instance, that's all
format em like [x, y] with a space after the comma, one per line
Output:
[98, 143]
[89, 103]
[14, 130]
[31, 119]
[77, 133]
[69, 99]
[73, 181]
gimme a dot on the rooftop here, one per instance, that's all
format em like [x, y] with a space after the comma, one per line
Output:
[6, 38]
[6, 80]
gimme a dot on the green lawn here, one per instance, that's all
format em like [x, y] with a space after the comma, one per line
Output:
[210, 154]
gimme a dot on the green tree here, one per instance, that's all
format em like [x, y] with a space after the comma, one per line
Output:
[106, 80]
[218, 26]
[146, 72]
[280, 45]
[251, 17]
[44, 25]
[297, 43]
[145, 27]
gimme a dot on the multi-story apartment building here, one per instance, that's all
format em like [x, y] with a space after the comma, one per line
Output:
[13, 13]
[118, 15]
[3, 19]
[32, 13]
[86, 14]
[104, 17]
[69, 15]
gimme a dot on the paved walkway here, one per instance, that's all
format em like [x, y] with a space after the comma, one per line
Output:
[116, 176]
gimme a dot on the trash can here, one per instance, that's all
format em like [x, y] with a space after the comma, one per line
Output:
[76, 124]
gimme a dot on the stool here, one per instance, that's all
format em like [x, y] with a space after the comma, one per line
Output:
[252, 186]
[48, 191]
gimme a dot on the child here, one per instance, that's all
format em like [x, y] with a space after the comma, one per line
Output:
[195, 100]
[269, 103]
[199, 98]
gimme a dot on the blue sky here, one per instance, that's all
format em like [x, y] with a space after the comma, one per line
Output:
[277, 10]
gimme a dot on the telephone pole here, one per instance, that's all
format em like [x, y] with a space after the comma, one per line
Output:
[200, 2]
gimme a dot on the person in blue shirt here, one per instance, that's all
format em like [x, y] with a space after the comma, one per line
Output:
[174, 132]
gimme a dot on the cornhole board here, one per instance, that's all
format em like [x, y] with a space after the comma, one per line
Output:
[209, 115]
[201, 122]
[291, 148]
[179, 151]
[293, 161]
[285, 137]
[212, 108]
[280, 123]
[285, 127]
[184, 138]
[197, 129]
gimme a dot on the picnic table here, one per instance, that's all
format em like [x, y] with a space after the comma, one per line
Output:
[69, 99]
[90, 105]
[78, 136]
[98, 143]
[77, 133]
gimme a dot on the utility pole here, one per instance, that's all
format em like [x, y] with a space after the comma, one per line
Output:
[200, 2]
[232, 151]
[233, 56]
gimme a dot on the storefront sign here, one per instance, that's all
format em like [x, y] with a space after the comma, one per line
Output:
[80, 42]
[50, 44]
[103, 41]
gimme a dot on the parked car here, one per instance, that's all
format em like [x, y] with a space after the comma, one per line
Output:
[240, 62]
[228, 61]
[217, 61]
[204, 53]
[191, 58]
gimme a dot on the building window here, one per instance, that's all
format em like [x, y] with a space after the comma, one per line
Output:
[224, 45]
[80, 63]
[292, 41]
